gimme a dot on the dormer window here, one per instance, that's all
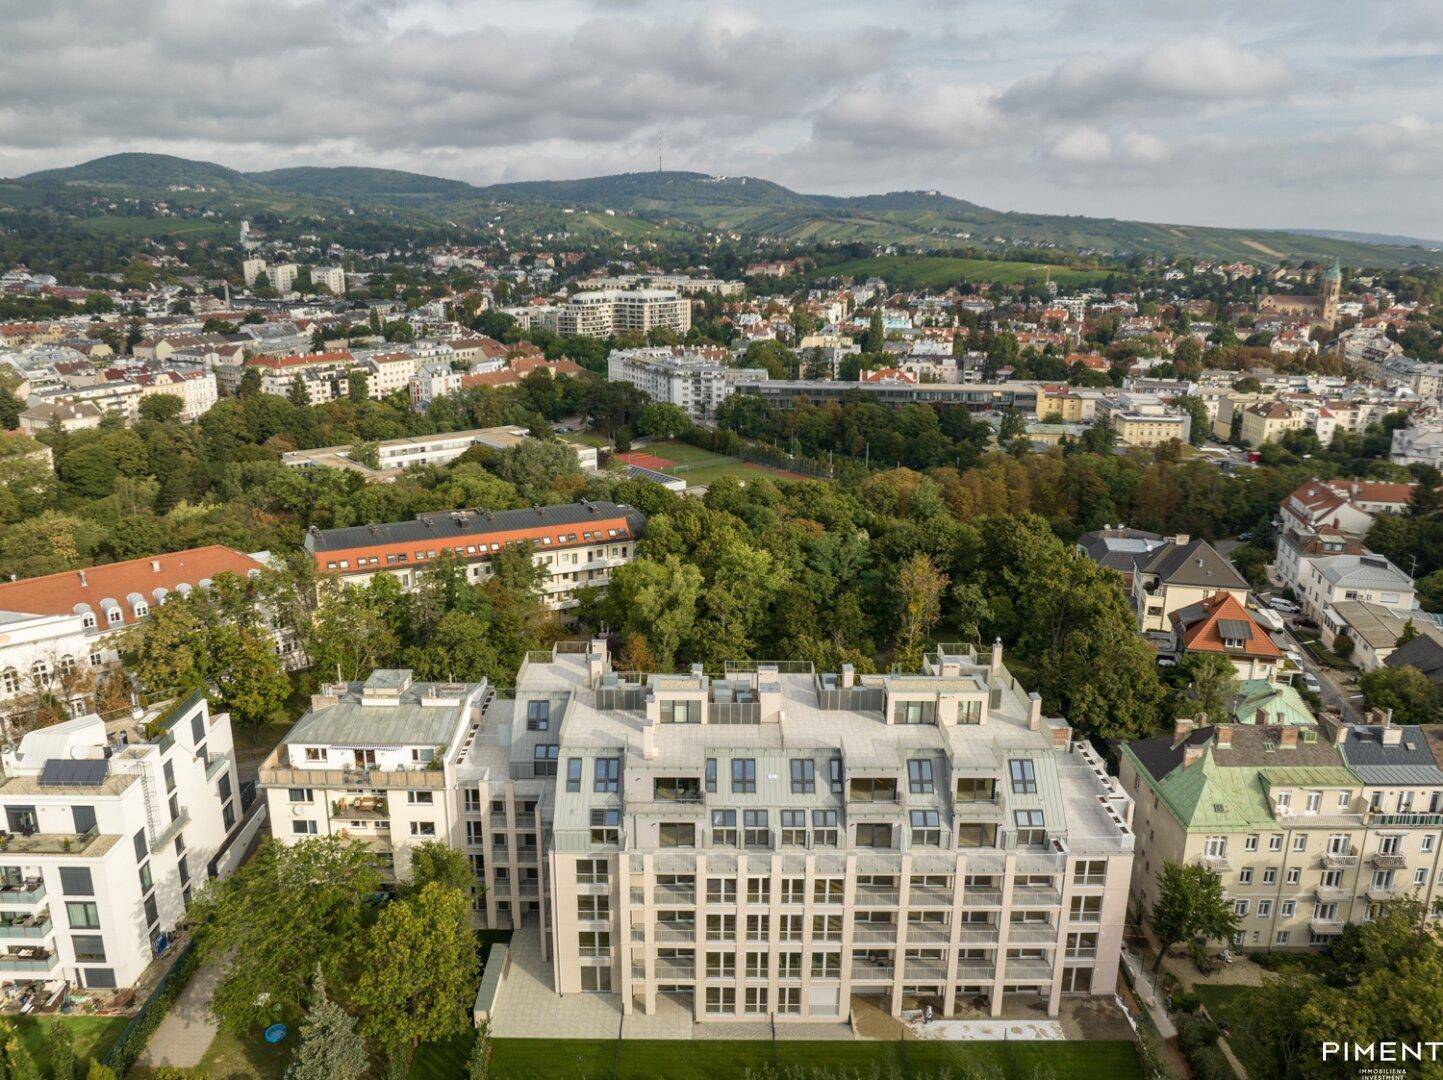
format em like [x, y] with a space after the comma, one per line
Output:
[142, 609]
[88, 620]
[114, 616]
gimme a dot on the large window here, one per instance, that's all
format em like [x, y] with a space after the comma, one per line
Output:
[89, 948]
[724, 828]
[919, 776]
[607, 775]
[1024, 776]
[756, 833]
[538, 715]
[744, 776]
[573, 774]
[926, 828]
[84, 915]
[874, 835]
[804, 776]
[1030, 827]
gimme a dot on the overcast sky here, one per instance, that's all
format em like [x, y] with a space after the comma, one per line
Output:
[1286, 113]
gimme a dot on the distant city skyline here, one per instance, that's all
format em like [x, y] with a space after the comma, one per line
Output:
[1319, 116]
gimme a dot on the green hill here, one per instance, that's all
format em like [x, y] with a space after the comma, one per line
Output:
[352, 182]
[141, 170]
[661, 202]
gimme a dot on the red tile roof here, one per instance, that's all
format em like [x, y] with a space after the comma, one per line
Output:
[1199, 629]
[61, 594]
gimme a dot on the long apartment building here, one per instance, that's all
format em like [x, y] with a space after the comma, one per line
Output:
[1310, 826]
[108, 830]
[579, 544]
[771, 841]
[603, 312]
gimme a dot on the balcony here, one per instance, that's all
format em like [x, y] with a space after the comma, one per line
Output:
[671, 894]
[26, 926]
[871, 896]
[362, 808]
[1218, 864]
[669, 969]
[216, 764]
[1027, 969]
[916, 968]
[673, 934]
[1405, 820]
[1387, 860]
[865, 972]
[1339, 860]
[977, 934]
[918, 933]
[275, 773]
[1331, 893]
[1042, 933]
[29, 891]
[980, 898]
[976, 969]
[872, 934]
[930, 896]
[29, 960]
[1033, 896]
[1382, 894]
[171, 831]
[39, 843]
[1323, 927]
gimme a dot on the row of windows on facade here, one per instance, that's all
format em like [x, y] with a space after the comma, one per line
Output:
[1216, 847]
[480, 550]
[42, 673]
[606, 775]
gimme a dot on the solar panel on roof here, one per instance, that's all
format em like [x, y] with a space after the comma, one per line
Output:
[87, 772]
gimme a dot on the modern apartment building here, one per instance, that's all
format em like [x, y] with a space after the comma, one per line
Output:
[769, 841]
[376, 762]
[578, 543]
[1144, 420]
[1310, 826]
[696, 380]
[603, 312]
[394, 456]
[109, 827]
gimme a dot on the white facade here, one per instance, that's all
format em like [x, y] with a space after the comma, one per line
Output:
[686, 378]
[1419, 444]
[331, 278]
[110, 829]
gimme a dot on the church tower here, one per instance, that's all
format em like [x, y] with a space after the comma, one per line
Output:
[1332, 287]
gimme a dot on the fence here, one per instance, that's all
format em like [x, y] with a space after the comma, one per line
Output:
[122, 1056]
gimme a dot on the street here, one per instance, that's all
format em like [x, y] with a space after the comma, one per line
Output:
[1330, 689]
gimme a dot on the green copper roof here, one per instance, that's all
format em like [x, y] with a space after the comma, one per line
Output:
[1208, 797]
[1280, 702]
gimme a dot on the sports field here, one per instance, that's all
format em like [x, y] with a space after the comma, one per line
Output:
[696, 466]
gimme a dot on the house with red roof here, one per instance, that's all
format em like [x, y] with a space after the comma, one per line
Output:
[1221, 625]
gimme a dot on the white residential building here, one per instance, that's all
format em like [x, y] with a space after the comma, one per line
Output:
[110, 828]
[1418, 444]
[696, 380]
[1326, 580]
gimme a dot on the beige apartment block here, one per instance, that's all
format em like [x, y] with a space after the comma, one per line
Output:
[771, 842]
[1310, 827]
[763, 843]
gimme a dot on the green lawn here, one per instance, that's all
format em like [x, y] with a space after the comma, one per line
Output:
[586, 438]
[1228, 1005]
[233, 1057]
[665, 1059]
[940, 271]
[94, 1035]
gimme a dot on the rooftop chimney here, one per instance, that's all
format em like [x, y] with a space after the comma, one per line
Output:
[1181, 727]
[1287, 737]
[155, 566]
[1180, 539]
[84, 584]
[996, 655]
[1392, 735]
[1224, 735]
[849, 676]
[1192, 754]
[1034, 710]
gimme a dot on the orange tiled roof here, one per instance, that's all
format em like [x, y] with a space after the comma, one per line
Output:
[61, 594]
[1199, 628]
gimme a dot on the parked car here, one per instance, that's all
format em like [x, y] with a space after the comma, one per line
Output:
[1282, 603]
[1302, 622]
[1311, 684]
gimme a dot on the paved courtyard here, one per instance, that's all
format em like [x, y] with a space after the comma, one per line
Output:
[526, 1008]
